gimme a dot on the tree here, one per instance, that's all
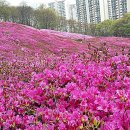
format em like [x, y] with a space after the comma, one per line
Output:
[25, 14]
[72, 26]
[13, 14]
[105, 28]
[4, 11]
[61, 23]
[121, 26]
[92, 29]
[46, 18]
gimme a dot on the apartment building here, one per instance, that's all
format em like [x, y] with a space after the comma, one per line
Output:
[72, 12]
[88, 11]
[82, 14]
[117, 8]
[103, 10]
[95, 11]
[58, 6]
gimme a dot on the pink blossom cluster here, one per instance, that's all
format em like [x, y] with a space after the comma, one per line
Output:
[62, 90]
[75, 94]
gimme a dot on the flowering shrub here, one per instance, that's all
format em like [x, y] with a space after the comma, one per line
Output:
[79, 91]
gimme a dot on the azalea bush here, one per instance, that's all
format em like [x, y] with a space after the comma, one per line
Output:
[64, 90]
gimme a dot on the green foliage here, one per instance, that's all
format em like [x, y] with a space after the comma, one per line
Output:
[121, 26]
[24, 14]
[46, 18]
[61, 24]
[105, 28]
[4, 10]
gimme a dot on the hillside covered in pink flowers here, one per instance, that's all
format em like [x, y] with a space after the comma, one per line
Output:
[16, 39]
[53, 80]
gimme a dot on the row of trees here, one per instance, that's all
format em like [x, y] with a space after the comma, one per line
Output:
[119, 27]
[47, 18]
[41, 17]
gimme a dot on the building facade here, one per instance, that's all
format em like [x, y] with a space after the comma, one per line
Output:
[104, 10]
[82, 11]
[117, 8]
[128, 6]
[72, 12]
[95, 11]
[88, 11]
[59, 7]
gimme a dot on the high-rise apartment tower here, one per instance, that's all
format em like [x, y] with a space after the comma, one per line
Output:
[95, 11]
[58, 6]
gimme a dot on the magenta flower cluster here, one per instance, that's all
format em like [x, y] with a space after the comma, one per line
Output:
[62, 90]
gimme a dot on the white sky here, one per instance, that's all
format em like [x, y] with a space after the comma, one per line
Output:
[34, 3]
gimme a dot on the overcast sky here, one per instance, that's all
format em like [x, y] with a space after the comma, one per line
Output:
[33, 3]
